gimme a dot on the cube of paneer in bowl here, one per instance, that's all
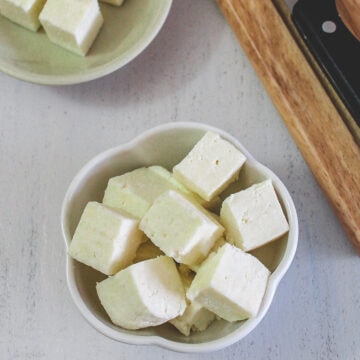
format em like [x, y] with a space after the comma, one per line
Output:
[105, 239]
[253, 217]
[230, 283]
[148, 293]
[181, 228]
[211, 165]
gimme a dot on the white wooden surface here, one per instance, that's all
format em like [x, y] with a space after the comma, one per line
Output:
[194, 71]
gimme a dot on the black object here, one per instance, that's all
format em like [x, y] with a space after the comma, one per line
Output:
[333, 46]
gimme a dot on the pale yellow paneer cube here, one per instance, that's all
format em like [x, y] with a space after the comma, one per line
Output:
[182, 229]
[72, 24]
[105, 239]
[253, 217]
[23, 12]
[230, 283]
[148, 293]
[210, 166]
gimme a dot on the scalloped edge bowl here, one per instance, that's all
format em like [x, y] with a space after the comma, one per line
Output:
[166, 145]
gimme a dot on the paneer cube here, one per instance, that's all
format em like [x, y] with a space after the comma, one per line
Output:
[72, 24]
[253, 217]
[23, 12]
[105, 239]
[181, 228]
[210, 166]
[148, 293]
[230, 283]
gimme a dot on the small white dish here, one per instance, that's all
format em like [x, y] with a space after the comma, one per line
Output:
[126, 32]
[166, 145]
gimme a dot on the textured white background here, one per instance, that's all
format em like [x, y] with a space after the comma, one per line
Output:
[193, 71]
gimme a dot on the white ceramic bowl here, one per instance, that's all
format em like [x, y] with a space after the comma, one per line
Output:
[126, 32]
[166, 145]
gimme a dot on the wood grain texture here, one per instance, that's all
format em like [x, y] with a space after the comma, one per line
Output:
[350, 122]
[349, 11]
[311, 117]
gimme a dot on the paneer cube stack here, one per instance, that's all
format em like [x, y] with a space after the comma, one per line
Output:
[71, 24]
[169, 259]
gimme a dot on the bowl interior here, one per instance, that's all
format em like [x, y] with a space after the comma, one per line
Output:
[164, 147]
[127, 30]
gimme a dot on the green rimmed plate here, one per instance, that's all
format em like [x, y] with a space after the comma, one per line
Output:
[126, 32]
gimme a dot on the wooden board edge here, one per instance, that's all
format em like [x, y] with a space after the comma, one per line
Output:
[335, 98]
[313, 120]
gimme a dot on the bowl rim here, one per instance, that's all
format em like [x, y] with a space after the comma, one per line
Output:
[275, 277]
[97, 72]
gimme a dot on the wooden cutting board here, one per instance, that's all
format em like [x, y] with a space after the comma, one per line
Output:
[315, 117]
